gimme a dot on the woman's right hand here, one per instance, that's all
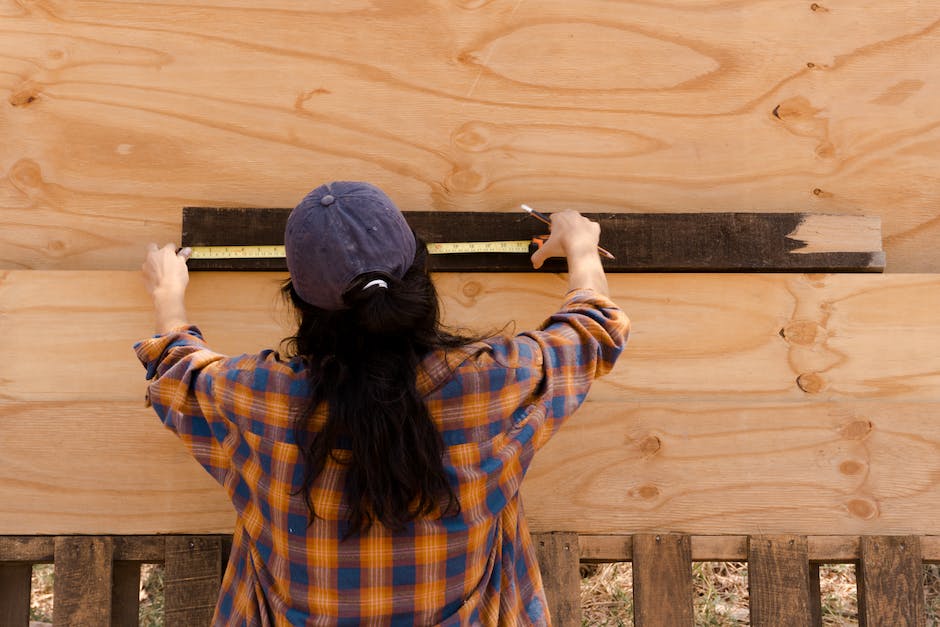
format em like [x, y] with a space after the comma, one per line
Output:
[575, 237]
[572, 235]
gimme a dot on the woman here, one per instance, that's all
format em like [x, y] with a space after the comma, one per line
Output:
[375, 472]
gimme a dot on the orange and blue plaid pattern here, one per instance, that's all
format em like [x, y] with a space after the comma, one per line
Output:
[495, 403]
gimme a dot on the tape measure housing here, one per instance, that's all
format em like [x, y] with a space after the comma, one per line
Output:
[436, 248]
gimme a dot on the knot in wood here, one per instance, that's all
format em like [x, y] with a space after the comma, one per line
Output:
[857, 429]
[472, 137]
[650, 445]
[851, 467]
[804, 332]
[471, 289]
[862, 508]
[811, 383]
[466, 180]
[26, 94]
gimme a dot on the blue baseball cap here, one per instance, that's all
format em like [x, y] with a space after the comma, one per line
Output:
[340, 231]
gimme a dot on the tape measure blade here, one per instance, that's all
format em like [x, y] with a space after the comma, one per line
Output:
[435, 248]
[456, 248]
[237, 252]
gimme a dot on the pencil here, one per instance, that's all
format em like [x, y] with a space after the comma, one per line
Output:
[541, 216]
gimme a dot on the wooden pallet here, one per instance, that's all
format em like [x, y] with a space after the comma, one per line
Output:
[97, 577]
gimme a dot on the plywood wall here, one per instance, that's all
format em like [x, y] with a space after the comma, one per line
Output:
[744, 403]
[117, 114]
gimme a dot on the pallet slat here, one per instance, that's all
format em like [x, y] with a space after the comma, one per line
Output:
[15, 580]
[558, 556]
[125, 594]
[192, 578]
[890, 582]
[662, 580]
[83, 581]
[779, 582]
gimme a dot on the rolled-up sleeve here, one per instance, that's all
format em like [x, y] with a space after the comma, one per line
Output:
[180, 367]
[554, 366]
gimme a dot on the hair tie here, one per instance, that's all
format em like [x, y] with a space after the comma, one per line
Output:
[378, 282]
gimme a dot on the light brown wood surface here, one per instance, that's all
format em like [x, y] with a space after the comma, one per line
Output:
[702, 427]
[717, 337]
[118, 114]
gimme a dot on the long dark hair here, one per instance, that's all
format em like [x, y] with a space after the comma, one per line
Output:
[363, 362]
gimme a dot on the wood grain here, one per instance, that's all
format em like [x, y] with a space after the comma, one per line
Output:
[559, 563]
[639, 242]
[192, 580]
[890, 582]
[778, 578]
[83, 580]
[706, 387]
[728, 338]
[730, 548]
[662, 580]
[117, 115]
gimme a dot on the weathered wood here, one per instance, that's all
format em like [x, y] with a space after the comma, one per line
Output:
[731, 548]
[14, 593]
[679, 242]
[558, 556]
[191, 579]
[83, 581]
[890, 582]
[778, 581]
[662, 580]
[722, 106]
[31, 549]
[141, 549]
[125, 594]
[815, 595]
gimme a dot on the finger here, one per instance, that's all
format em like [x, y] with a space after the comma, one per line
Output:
[152, 247]
[185, 252]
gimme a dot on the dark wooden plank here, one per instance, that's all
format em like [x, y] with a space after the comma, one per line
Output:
[83, 581]
[192, 578]
[141, 549]
[662, 580]
[890, 582]
[125, 593]
[559, 564]
[641, 242]
[15, 580]
[33, 549]
[815, 595]
[779, 581]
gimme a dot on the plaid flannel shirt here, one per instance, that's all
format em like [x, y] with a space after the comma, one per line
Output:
[495, 403]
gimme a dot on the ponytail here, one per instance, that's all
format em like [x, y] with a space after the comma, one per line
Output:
[363, 364]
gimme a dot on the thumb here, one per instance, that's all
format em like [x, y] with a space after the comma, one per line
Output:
[538, 257]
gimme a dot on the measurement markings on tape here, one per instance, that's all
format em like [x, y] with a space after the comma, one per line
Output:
[237, 252]
[436, 248]
[506, 246]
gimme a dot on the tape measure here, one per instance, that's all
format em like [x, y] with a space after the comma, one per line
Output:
[437, 248]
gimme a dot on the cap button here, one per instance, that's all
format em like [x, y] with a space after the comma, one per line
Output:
[327, 200]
